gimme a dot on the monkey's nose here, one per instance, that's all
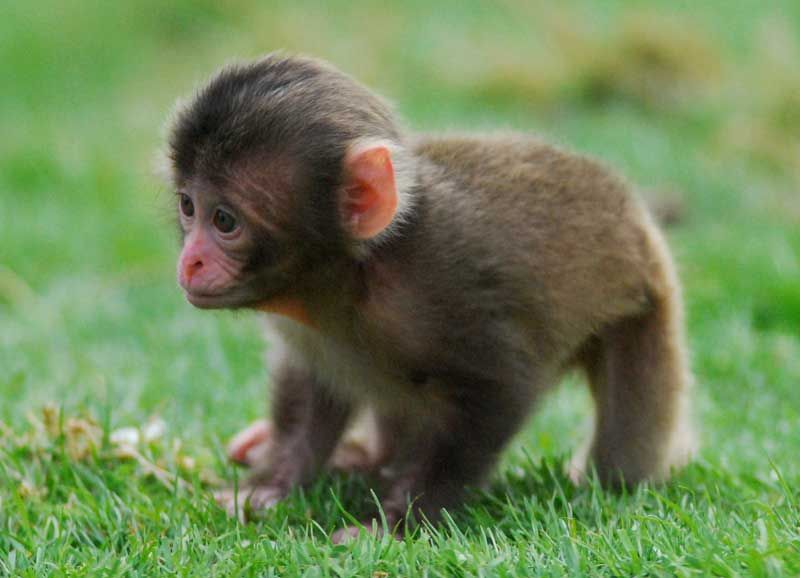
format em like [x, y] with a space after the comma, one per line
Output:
[192, 269]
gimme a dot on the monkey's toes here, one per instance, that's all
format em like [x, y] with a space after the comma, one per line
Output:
[247, 503]
[344, 535]
[264, 497]
[247, 446]
[372, 527]
[232, 502]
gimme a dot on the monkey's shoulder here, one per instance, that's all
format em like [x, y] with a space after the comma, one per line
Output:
[513, 163]
[455, 147]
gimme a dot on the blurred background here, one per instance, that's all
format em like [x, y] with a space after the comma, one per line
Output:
[697, 102]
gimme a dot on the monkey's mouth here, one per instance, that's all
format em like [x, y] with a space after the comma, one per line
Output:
[233, 298]
[209, 300]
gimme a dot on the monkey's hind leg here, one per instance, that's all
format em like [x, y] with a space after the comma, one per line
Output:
[639, 379]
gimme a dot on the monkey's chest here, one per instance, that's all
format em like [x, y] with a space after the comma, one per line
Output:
[357, 371]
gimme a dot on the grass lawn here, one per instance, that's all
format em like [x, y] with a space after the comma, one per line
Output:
[698, 102]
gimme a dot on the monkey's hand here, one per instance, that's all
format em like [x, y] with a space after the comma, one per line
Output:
[280, 469]
[246, 502]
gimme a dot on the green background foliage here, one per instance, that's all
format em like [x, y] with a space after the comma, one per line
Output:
[699, 103]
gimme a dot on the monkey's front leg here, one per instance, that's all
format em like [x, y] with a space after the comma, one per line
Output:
[363, 447]
[307, 423]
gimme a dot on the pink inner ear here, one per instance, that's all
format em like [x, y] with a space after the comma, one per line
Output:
[358, 200]
[370, 199]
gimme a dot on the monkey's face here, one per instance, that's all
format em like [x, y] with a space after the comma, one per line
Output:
[227, 260]
[253, 242]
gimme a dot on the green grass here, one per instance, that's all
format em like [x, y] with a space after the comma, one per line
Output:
[91, 322]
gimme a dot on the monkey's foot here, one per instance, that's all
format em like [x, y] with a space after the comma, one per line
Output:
[249, 445]
[371, 527]
[248, 502]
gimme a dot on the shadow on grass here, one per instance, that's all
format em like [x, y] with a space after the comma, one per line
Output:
[538, 495]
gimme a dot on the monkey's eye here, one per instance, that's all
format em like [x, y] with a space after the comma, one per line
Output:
[187, 206]
[224, 221]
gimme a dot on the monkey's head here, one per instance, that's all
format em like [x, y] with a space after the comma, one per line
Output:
[280, 167]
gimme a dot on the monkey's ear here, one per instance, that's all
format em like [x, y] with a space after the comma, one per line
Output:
[369, 200]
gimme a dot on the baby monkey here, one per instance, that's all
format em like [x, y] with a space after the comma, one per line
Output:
[443, 282]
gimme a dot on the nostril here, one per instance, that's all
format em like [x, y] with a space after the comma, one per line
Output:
[193, 268]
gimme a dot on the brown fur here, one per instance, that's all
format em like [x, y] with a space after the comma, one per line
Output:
[511, 262]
